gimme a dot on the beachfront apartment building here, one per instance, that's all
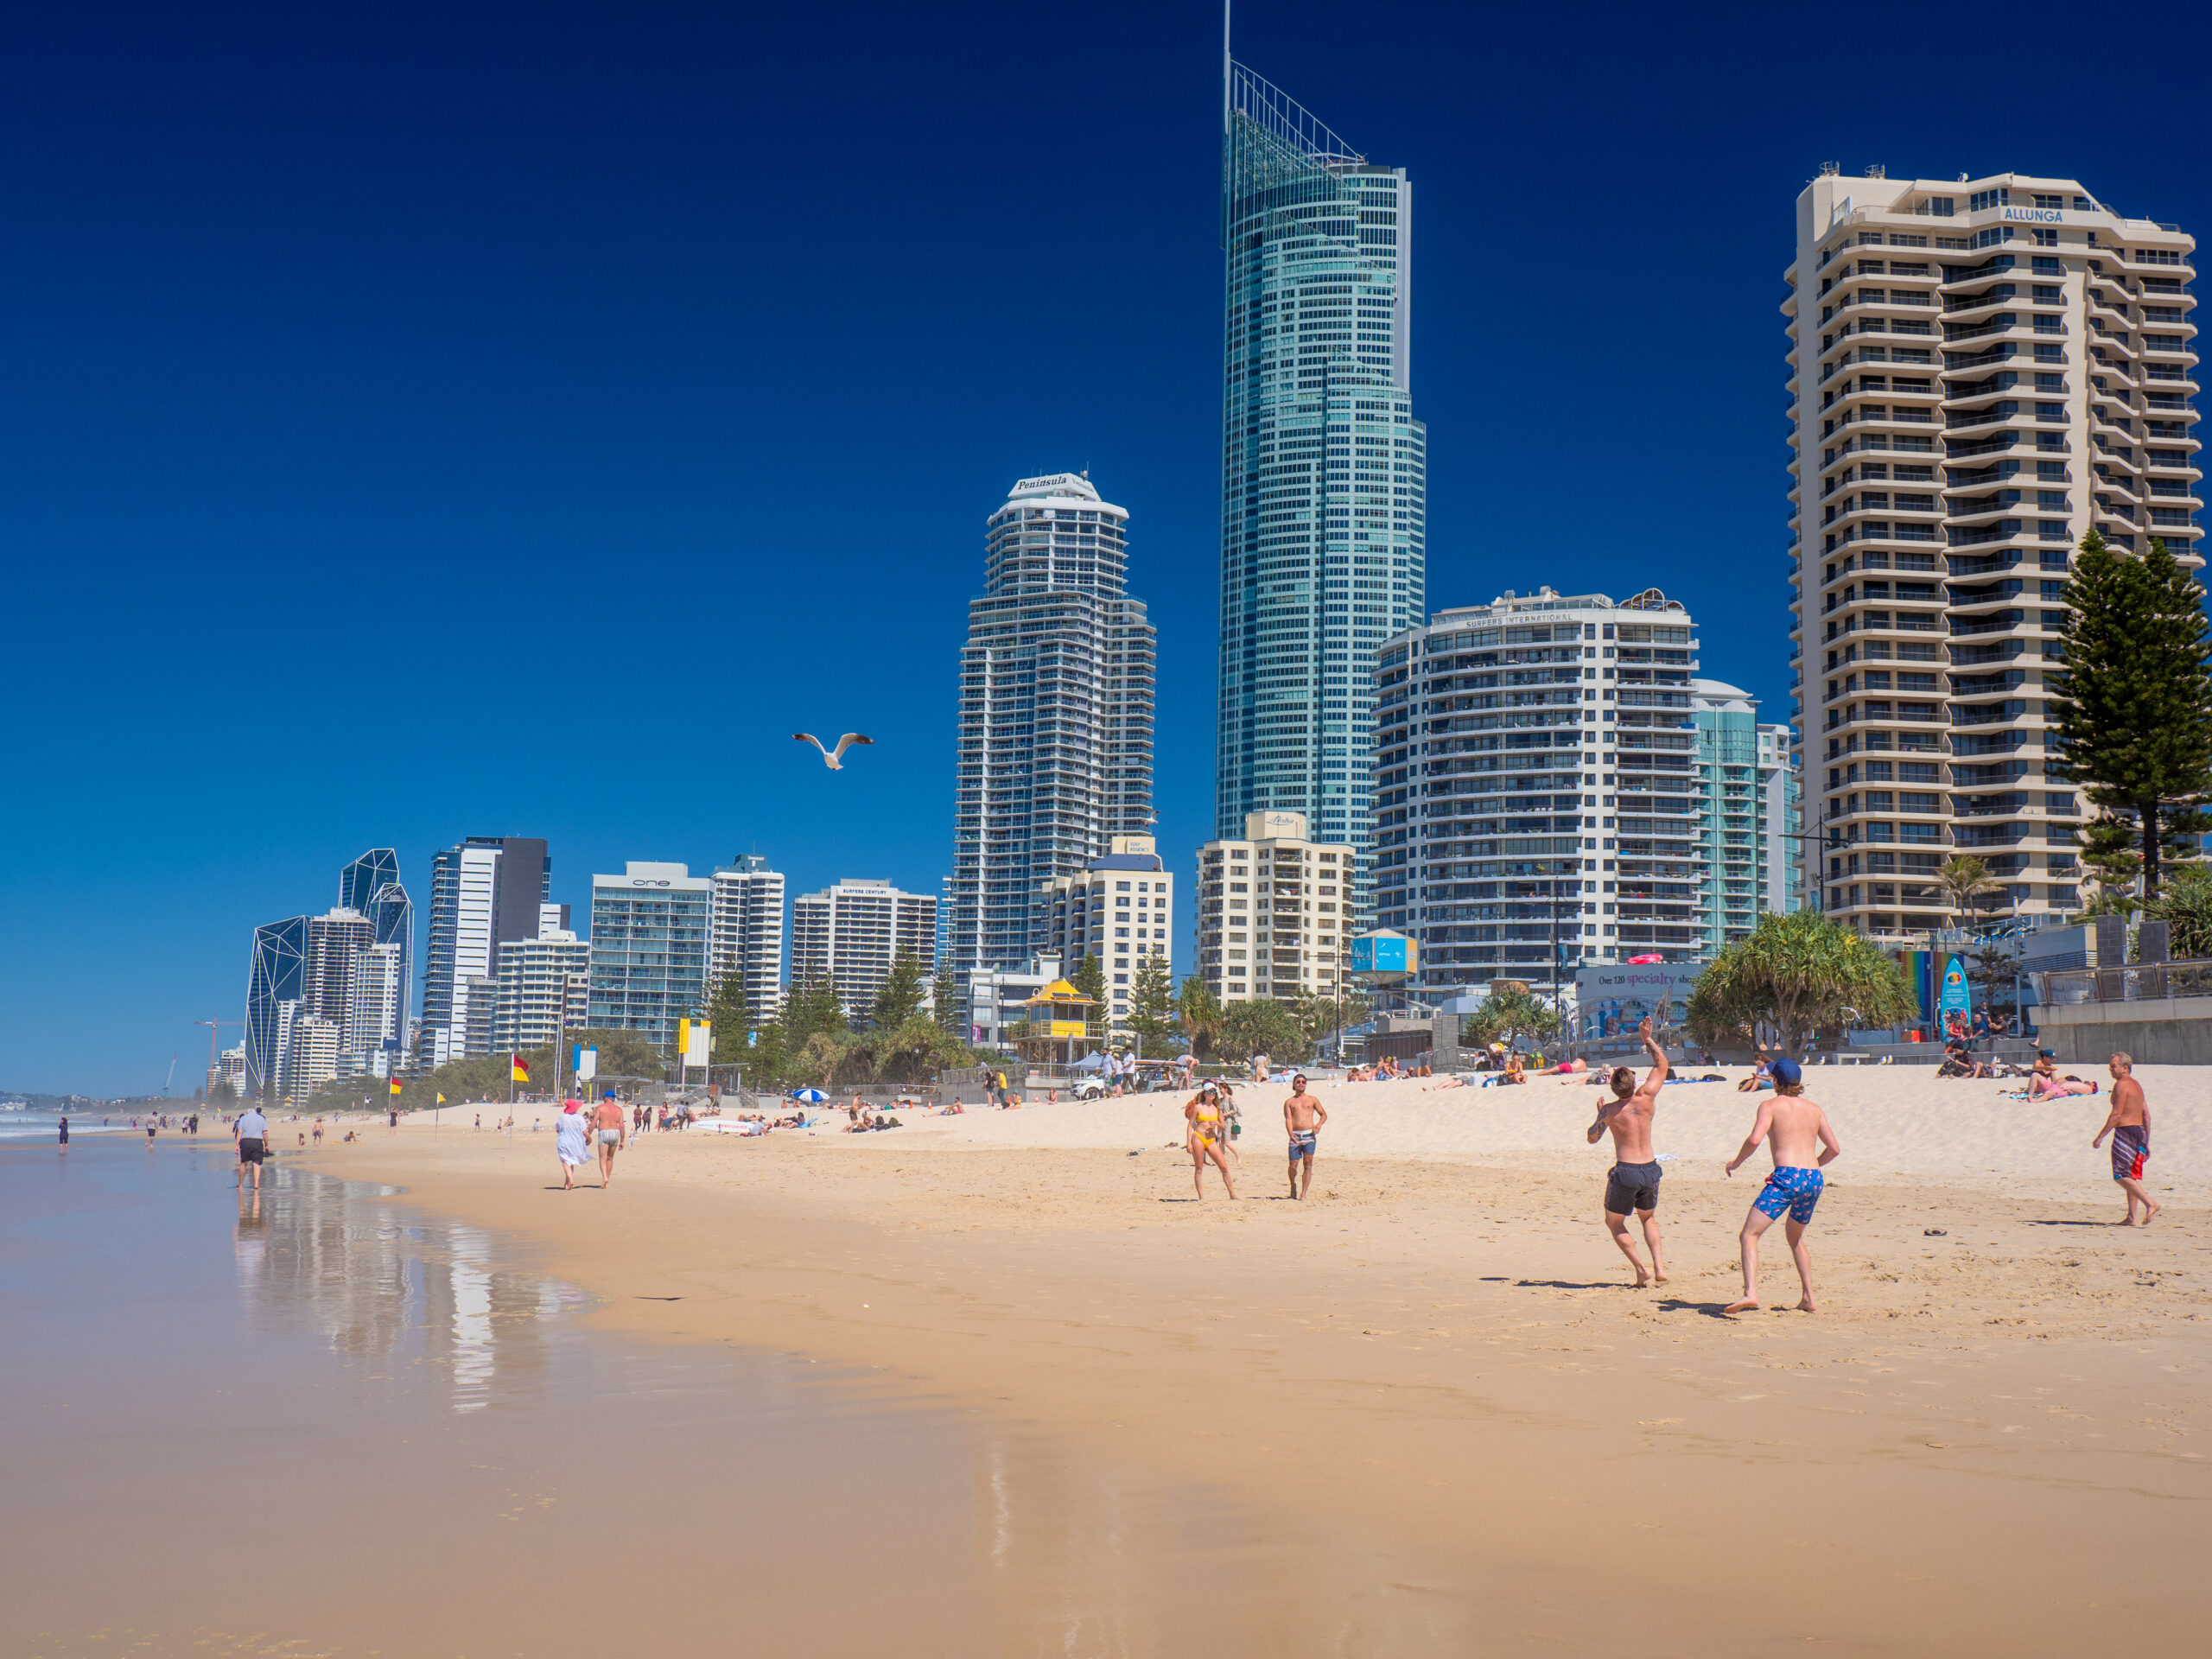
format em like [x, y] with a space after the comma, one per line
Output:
[1121, 909]
[1981, 372]
[1323, 533]
[544, 987]
[1747, 797]
[311, 1053]
[1056, 717]
[484, 892]
[1538, 793]
[1275, 910]
[649, 927]
[854, 931]
[746, 934]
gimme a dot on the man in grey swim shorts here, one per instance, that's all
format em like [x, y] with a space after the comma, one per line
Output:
[1632, 1184]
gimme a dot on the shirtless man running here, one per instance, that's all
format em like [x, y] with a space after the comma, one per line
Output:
[1302, 1118]
[1793, 1126]
[2129, 1125]
[1633, 1182]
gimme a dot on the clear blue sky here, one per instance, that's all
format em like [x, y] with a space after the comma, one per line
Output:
[426, 420]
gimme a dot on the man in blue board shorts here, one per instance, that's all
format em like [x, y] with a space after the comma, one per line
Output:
[1803, 1144]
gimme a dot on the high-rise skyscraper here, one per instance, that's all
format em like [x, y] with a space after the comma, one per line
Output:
[649, 929]
[1324, 468]
[371, 884]
[1056, 710]
[1981, 372]
[272, 996]
[1747, 802]
[854, 931]
[747, 933]
[483, 891]
[1538, 799]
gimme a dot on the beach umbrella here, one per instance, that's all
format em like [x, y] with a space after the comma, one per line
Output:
[811, 1097]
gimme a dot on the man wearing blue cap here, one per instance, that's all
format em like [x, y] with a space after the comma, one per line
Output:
[1632, 1184]
[1803, 1144]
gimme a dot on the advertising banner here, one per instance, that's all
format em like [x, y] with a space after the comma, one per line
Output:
[587, 1062]
[1612, 999]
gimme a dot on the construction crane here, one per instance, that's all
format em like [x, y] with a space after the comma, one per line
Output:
[214, 1036]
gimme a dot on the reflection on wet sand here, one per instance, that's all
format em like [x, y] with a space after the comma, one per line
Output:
[383, 1286]
[409, 1400]
[1089, 1555]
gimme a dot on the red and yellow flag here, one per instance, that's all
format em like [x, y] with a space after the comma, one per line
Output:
[520, 1072]
[395, 1085]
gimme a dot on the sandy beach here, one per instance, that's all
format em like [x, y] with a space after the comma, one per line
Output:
[1994, 1432]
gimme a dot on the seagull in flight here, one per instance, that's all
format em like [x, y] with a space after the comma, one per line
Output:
[833, 758]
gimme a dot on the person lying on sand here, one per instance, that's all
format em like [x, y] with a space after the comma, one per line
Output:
[2129, 1125]
[1793, 1127]
[1632, 1184]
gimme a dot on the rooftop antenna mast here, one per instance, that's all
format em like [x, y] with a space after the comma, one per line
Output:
[1224, 65]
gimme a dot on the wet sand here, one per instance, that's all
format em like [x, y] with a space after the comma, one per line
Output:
[1434, 1409]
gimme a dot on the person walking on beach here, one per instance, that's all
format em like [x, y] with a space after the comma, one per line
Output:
[613, 1135]
[1209, 1131]
[571, 1141]
[251, 1133]
[1633, 1182]
[2129, 1125]
[1795, 1127]
[1302, 1118]
[65, 1137]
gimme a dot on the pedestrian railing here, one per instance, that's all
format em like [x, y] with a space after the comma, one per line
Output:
[2158, 982]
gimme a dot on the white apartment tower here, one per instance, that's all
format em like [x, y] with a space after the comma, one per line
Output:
[1056, 709]
[1275, 911]
[544, 988]
[745, 933]
[1538, 793]
[1121, 909]
[1323, 467]
[855, 931]
[1981, 372]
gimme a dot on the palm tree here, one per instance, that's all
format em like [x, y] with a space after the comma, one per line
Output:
[1199, 1011]
[1965, 880]
[1510, 1015]
[2186, 908]
[1798, 974]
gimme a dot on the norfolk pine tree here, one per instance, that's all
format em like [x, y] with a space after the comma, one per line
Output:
[2132, 709]
[1152, 1006]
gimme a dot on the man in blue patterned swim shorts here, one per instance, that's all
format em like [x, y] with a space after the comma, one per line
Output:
[1803, 1144]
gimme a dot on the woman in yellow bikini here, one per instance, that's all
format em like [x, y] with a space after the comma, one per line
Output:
[1209, 1136]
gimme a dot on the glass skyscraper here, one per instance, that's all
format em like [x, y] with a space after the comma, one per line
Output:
[371, 884]
[1324, 468]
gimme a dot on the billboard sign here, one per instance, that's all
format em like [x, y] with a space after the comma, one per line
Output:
[1612, 999]
[587, 1062]
[1384, 955]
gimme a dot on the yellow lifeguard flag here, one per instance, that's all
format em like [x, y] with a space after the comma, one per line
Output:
[395, 1085]
[442, 1100]
[518, 1072]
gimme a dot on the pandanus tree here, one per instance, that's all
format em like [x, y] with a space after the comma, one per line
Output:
[1796, 975]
